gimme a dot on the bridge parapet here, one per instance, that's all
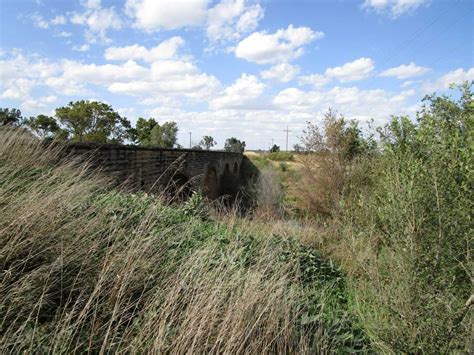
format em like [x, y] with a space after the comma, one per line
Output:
[215, 172]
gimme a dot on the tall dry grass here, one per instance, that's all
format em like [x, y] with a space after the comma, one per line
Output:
[87, 268]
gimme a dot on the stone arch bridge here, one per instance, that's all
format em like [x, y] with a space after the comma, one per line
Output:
[215, 173]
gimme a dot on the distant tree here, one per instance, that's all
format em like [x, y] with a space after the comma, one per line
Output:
[197, 147]
[10, 116]
[207, 142]
[93, 121]
[275, 148]
[338, 136]
[297, 148]
[44, 126]
[143, 130]
[150, 133]
[234, 145]
[165, 135]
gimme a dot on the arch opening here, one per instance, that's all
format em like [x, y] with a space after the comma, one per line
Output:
[210, 185]
[226, 182]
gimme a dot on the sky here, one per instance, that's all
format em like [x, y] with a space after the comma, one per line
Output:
[242, 68]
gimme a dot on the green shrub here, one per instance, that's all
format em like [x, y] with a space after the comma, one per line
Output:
[409, 229]
[281, 156]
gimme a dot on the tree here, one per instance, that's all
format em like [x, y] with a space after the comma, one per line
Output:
[93, 121]
[44, 126]
[275, 148]
[165, 135]
[207, 142]
[143, 130]
[150, 133]
[10, 116]
[341, 137]
[297, 148]
[234, 145]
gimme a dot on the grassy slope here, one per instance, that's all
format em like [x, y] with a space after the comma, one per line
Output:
[86, 268]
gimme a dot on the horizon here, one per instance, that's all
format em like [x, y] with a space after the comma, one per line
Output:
[244, 69]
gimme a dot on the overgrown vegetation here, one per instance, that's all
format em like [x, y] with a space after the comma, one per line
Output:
[86, 268]
[377, 258]
[394, 210]
[406, 220]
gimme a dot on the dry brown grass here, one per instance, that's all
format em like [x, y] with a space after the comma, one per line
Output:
[318, 183]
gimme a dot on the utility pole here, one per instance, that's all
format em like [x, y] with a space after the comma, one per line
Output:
[190, 133]
[286, 130]
[272, 144]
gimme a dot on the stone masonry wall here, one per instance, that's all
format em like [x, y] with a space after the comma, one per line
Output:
[151, 168]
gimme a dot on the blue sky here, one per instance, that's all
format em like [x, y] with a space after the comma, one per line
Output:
[243, 68]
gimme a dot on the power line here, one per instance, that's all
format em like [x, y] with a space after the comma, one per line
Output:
[397, 50]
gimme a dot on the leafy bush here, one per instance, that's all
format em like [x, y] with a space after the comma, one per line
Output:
[408, 226]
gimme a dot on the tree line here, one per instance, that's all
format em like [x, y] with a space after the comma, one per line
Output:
[94, 121]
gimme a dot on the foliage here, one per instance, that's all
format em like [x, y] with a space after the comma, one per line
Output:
[275, 148]
[340, 137]
[164, 135]
[143, 130]
[281, 156]
[10, 116]
[234, 145]
[207, 142]
[92, 121]
[44, 126]
[407, 223]
[331, 154]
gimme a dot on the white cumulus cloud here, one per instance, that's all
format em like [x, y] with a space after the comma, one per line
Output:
[395, 8]
[151, 15]
[357, 70]
[229, 19]
[316, 80]
[165, 50]
[245, 93]
[352, 101]
[98, 21]
[283, 72]
[405, 71]
[455, 77]
[58, 20]
[281, 46]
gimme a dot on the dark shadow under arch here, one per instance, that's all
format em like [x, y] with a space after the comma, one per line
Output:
[226, 182]
[210, 185]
